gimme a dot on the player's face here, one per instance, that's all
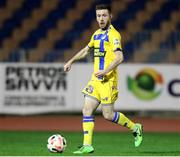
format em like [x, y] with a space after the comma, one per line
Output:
[103, 18]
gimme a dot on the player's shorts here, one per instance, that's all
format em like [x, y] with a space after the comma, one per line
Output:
[103, 92]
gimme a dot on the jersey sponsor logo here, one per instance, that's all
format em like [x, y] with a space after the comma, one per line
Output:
[98, 53]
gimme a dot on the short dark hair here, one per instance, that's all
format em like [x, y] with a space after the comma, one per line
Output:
[103, 6]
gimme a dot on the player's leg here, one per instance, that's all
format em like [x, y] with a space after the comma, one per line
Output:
[116, 117]
[110, 95]
[89, 107]
[121, 119]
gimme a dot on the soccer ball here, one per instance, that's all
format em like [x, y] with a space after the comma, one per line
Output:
[56, 143]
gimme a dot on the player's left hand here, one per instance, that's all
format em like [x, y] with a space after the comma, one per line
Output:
[100, 73]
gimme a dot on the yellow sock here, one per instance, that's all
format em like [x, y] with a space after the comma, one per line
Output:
[121, 119]
[88, 128]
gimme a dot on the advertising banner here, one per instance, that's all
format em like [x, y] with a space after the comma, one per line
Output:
[46, 88]
[149, 87]
[33, 88]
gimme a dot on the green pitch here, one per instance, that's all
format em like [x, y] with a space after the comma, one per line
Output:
[106, 144]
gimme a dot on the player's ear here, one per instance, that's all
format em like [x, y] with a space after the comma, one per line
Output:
[111, 16]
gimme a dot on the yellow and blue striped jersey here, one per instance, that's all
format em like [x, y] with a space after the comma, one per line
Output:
[105, 43]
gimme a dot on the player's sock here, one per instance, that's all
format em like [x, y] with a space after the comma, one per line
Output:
[121, 119]
[88, 128]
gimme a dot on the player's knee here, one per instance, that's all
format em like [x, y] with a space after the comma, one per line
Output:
[108, 115]
[87, 111]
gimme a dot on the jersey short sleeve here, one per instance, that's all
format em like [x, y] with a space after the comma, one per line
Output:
[91, 43]
[116, 42]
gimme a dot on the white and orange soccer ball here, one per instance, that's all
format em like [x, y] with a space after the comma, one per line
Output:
[56, 143]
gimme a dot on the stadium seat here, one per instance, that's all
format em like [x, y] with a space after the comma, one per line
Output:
[50, 31]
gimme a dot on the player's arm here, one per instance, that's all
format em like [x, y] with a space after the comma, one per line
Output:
[117, 60]
[81, 54]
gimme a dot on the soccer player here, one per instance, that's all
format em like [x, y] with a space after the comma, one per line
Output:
[102, 88]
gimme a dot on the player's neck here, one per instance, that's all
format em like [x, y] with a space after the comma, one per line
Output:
[106, 28]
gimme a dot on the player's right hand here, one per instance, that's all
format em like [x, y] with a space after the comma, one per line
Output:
[67, 67]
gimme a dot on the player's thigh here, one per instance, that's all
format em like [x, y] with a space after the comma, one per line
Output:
[108, 111]
[90, 105]
[109, 92]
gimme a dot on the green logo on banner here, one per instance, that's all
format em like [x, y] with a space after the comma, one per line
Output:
[146, 85]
